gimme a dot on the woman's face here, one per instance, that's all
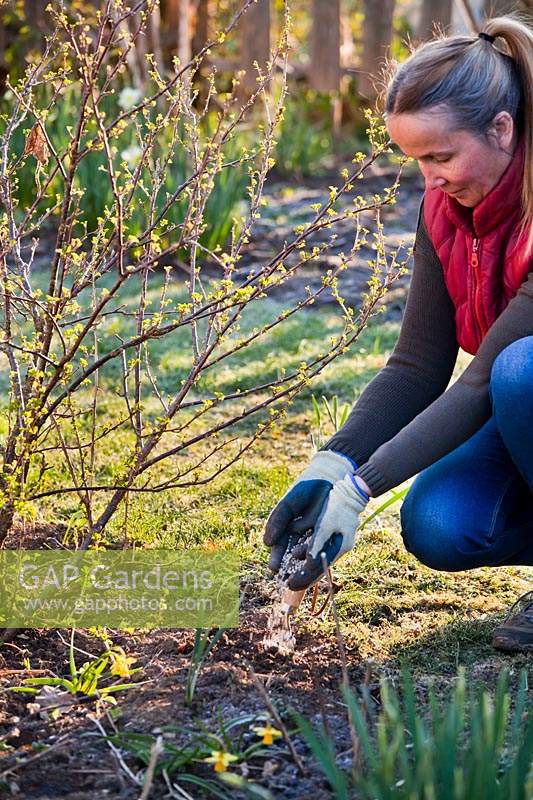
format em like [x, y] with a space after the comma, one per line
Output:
[461, 164]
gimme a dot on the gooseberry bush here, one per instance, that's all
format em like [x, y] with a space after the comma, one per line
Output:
[142, 272]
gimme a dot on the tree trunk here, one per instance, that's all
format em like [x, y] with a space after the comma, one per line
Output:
[7, 510]
[325, 70]
[255, 41]
[201, 26]
[184, 32]
[377, 36]
[170, 13]
[177, 18]
[434, 14]
[36, 14]
[154, 29]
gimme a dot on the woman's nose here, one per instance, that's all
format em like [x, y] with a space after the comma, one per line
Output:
[431, 176]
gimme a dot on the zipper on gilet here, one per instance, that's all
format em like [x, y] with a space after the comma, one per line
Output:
[478, 312]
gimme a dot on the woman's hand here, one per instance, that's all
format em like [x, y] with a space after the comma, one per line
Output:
[334, 532]
[300, 507]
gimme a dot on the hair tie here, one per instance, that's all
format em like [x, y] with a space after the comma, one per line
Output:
[487, 37]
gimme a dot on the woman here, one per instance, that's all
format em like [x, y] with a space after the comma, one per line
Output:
[463, 107]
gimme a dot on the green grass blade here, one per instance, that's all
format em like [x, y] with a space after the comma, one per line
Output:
[46, 681]
[323, 751]
[209, 786]
[316, 409]
[251, 789]
[360, 728]
[71, 658]
[389, 502]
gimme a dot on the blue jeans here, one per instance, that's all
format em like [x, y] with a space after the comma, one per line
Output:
[474, 507]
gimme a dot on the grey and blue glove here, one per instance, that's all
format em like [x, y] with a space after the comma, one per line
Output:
[301, 506]
[334, 531]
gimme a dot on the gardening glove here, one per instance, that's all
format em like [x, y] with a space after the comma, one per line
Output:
[300, 507]
[334, 532]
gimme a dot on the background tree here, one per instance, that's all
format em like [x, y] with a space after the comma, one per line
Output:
[377, 35]
[184, 31]
[254, 41]
[202, 25]
[324, 67]
[434, 14]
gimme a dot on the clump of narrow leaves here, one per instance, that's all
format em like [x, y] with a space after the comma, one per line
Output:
[212, 753]
[469, 746]
[94, 678]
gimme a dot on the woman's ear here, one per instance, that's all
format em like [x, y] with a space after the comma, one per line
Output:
[502, 130]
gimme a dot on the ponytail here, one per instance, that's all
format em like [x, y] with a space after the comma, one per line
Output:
[518, 40]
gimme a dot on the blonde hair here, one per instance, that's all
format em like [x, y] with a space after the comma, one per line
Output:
[475, 79]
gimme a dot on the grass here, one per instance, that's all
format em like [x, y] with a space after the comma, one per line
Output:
[176, 517]
[233, 508]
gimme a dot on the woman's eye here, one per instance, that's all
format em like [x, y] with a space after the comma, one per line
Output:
[442, 160]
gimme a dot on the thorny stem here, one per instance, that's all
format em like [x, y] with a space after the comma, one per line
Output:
[356, 745]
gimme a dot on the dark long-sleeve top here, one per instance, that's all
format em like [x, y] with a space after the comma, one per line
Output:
[406, 418]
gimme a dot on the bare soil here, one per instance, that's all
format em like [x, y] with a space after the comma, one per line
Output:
[82, 766]
[67, 757]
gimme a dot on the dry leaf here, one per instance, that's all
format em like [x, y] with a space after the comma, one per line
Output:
[209, 544]
[269, 768]
[36, 144]
[54, 697]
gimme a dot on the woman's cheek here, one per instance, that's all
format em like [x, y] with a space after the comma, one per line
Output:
[461, 174]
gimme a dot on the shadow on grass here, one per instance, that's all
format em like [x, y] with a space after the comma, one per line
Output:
[463, 642]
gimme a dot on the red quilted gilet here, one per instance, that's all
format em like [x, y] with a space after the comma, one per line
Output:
[481, 253]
